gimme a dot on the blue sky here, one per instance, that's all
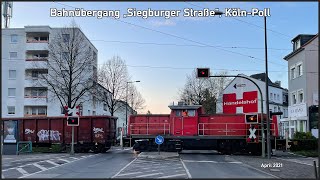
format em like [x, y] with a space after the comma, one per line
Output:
[159, 86]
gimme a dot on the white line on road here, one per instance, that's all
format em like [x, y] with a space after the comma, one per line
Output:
[185, 167]
[73, 158]
[129, 173]
[297, 161]
[64, 160]
[22, 171]
[40, 167]
[200, 161]
[53, 163]
[176, 175]
[146, 175]
[50, 168]
[123, 168]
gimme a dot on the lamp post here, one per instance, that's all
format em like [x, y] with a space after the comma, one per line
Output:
[267, 95]
[127, 100]
[267, 89]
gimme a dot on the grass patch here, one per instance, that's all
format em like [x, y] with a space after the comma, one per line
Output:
[309, 153]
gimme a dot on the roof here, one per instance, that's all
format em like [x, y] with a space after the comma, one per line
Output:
[185, 107]
[262, 77]
[302, 47]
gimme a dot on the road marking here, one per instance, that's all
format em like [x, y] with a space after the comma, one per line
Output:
[260, 170]
[176, 175]
[53, 163]
[40, 167]
[73, 158]
[297, 161]
[22, 171]
[50, 168]
[185, 167]
[64, 160]
[123, 168]
[146, 175]
[129, 173]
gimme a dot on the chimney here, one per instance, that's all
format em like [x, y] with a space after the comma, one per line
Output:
[278, 83]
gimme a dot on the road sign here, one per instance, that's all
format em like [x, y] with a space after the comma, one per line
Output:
[159, 139]
[252, 134]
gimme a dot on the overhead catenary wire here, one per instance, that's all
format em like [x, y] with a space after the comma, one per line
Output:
[183, 38]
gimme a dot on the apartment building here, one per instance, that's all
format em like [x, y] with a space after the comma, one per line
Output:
[303, 78]
[25, 56]
[241, 89]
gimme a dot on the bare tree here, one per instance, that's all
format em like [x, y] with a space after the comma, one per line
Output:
[135, 99]
[113, 76]
[203, 91]
[71, 72]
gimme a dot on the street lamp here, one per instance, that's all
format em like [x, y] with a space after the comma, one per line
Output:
[127, 100]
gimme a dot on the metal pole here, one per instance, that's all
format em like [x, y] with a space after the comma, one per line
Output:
[72, 142]
[315, 169]
[267, 88]
[159, 149]
[127, 104]
[121, 140]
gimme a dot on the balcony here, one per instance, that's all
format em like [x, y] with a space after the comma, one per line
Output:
[38, 100]
[36, 64]
[34, 82]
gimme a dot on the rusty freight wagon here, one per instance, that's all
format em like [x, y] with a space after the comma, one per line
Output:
[187, 127]
[96, 133]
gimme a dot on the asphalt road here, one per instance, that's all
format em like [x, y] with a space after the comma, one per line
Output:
[213, 165]
[65, 166]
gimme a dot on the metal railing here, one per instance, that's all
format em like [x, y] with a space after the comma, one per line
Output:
[24, 146]
[241, 130]
[149, 128]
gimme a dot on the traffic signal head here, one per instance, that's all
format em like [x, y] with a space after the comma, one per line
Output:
[73, 121]
[251, 118]
[203, 72]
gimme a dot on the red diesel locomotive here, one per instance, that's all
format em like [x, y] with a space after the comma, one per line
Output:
[187, 127]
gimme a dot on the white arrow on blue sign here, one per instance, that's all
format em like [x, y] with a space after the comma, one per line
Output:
[159, 139]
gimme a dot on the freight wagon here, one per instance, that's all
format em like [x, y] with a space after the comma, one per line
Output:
[95, 133]
[187, 127]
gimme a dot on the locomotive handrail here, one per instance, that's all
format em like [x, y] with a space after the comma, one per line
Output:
[203, 129]
[147, 128]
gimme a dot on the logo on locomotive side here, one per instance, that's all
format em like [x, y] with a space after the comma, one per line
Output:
[249, 103]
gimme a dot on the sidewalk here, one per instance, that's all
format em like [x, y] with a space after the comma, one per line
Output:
[155, 155]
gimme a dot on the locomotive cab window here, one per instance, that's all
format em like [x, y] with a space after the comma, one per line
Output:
[191, 113]
[178, 112]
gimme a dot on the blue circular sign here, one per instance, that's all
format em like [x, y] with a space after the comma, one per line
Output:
[159, 139]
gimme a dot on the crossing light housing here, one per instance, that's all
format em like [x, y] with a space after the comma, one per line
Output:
[251, 118]
[203, 72]
[72, 121]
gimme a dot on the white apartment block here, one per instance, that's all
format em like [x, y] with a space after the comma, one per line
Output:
[303, 81]
[24, 56]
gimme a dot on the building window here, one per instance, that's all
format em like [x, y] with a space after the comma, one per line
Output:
[88, 112]
[274, 95]
[292, 72]
[274, 109]
[94, 113]
[35, 74]
[278, 97]
[297, 44]
[12, 74]
[14, 38]
[66, 37]
[11, 92]
[13, 55]
[294, 98]
[271, 96]
[299, 69]
[11, 110]
[105, 107]
[42, 111]
[300, 96]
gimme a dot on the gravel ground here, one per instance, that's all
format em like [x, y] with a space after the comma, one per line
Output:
[288, 169]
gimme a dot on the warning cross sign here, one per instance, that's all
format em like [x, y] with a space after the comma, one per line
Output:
[252, 134]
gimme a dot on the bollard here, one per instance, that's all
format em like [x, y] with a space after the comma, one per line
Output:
[315, 169]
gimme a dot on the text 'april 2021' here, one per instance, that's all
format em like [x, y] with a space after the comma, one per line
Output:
[154, 13]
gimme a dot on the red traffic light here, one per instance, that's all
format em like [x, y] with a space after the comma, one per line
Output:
[203, 72]
[251, 118]
[73, 121]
